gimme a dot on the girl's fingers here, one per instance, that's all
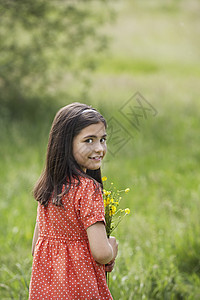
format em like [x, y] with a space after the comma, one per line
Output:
[110, 266]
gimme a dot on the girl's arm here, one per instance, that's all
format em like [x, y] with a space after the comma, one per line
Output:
[103, 249]
[35, 237]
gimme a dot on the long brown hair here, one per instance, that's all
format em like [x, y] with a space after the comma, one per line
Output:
[61, 167]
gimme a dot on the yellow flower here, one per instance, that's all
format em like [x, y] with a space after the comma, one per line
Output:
[108, 201]
[127, 211]
[112, 200]
[112, 210]
[106, 193]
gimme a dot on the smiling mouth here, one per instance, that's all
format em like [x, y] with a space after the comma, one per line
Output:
[96, 158]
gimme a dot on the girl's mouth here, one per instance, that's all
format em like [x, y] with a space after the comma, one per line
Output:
[96, 158]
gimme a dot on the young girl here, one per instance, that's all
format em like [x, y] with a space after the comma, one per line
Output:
[70, 245]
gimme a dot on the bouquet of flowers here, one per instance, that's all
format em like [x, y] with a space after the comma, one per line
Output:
[113, 214]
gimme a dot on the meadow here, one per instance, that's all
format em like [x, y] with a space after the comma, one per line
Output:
[147, 87]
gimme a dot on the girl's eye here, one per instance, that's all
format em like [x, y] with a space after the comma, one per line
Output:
[103, 140]
[89, 141]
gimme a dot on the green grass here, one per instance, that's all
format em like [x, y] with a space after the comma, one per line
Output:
[159, 256]
[134, 66]
[159, 241]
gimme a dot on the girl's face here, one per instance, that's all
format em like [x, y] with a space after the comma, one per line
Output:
[89, 146]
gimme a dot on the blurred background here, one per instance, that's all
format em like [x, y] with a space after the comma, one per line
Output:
[137, 62]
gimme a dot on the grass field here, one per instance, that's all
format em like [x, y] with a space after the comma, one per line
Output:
[154, 51]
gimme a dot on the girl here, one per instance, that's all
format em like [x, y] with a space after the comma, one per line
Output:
[70, 245]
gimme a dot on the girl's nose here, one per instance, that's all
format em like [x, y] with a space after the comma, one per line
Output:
[99, 147]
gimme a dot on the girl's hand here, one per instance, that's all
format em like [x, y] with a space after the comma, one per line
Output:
[113, 242]
[110, 266]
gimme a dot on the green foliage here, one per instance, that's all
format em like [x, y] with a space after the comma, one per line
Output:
[48, 47]
[187, 250]
[159, 241]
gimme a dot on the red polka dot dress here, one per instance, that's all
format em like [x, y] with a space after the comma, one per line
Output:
[63, 266]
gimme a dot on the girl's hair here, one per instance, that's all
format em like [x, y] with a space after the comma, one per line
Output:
[61, 167]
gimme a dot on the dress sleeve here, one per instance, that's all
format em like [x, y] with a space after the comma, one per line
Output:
[91, 205]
